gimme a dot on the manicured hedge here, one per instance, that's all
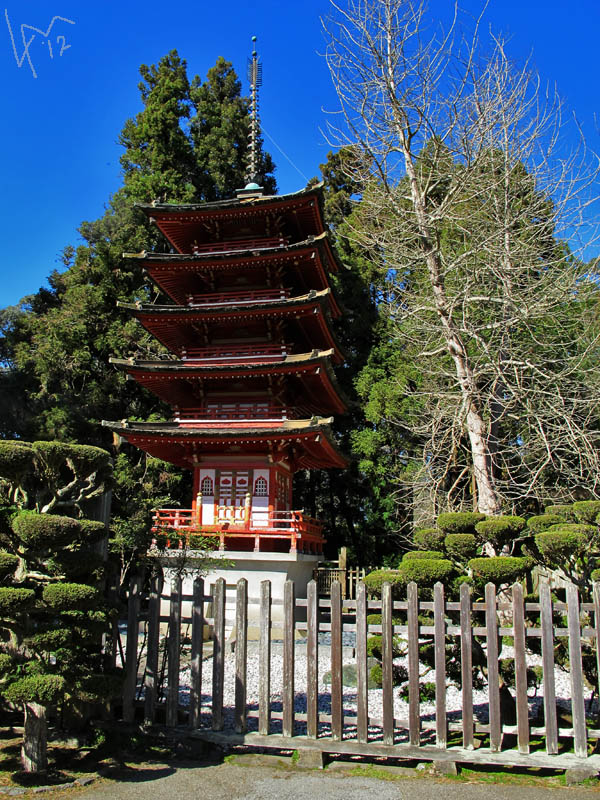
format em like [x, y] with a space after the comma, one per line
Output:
[15, 600]
[428, 538]
[8, 564]
[45, 531]
[43, 689]
[425, 572]
[498, 569]
[567, 512]
[461, 546]
[70, 596]
[501, 528]
[374, 581]
[587, 510]
[543, 521]
[459, 521]
[16, 459]
[560, 545]
[428, 554]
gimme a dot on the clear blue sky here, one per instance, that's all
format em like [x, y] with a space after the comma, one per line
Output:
[60, 157]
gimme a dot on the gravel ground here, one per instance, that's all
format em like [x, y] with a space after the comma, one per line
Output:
[453, 694]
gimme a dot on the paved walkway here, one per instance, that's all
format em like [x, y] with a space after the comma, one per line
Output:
[230, 781]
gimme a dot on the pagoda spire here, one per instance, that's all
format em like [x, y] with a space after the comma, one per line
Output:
[255, 80]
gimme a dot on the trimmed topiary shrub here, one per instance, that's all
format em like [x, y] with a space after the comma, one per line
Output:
[425, 572]
[461, 546]
[8, 564]
[595, 576]
[559, 545]
[16, 459]
[70, 596]
[91, 530]
[374, 581]
[498, 569]
[543, 521]
[428, 538]
[43, 689]
[587, 510]
[566, 512]
[412, 554]
[45, 531]
[589, 531]
[495, 529]
[459, 521]
[15, 600]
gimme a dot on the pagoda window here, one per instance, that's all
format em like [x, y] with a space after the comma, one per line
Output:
[206, 487]
[260, 488]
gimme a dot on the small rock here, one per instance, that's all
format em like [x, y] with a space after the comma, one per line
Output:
[310, 759]
[443, 768]
[579, 774]
[85, 781]
[421, 767]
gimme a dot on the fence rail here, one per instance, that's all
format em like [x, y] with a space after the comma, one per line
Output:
[274, 692]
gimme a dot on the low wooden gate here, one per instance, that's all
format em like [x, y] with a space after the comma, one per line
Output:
[272, 692]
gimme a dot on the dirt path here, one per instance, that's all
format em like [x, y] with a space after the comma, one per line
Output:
[229, 781]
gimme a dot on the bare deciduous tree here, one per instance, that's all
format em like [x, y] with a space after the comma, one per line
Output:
[469, 192]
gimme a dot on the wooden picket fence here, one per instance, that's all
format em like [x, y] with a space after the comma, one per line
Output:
[315, 627]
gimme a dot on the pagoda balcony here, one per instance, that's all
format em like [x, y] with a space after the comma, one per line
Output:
[238, 297]
[235, 354]
[239, 245]
[282, 532]
[225, 413]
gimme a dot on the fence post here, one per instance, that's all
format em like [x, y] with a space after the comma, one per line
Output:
[439, 639]
[151, 682]
[196, 654]
[491, 624]
[362, 675]
[466, 666]
[288, 657]
[133, 625]
[576, 671]
[312, 662]
[241, 652]
[414, 709]
[264, 679]
[520, 668]
[547, 626]
[218, 654]
[387, 657]
[337, 712]
[173, 645]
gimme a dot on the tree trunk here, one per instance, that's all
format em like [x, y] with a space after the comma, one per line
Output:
[34, 751]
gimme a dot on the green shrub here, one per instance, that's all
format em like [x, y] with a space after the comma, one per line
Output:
[543, 521]
[6, 663]
[428, 538]
[374, 581]
[8, 564]
[428, 554]
[92, 531]
[375, 619]
[461, 546]
[587, 510]
[589, 531]
[459, 521]
[498, 569]
[558, 546]
[375, 646]
[75, 563]
[499, 530]
[43, 689]
[15, 600]
[566, 512]
[98, 688]
[87, 459]
[376, 675]
[16, 460]
[70, 596]
[595, 576]
[48, 641]
[425, 572]
[45, 531]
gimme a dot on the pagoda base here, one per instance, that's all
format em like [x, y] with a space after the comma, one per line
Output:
[254, 567]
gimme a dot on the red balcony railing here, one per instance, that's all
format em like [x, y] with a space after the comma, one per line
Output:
[245, 297]
[301, 533]
[235, 353]
[240, 412]
[264, 243]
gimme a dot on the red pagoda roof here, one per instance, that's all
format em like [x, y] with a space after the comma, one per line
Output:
[306, 444]
[180, 276]
[294, 216]
[180, 327]
[305, 380]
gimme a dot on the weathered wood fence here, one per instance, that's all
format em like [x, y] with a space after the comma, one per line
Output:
[271, 691]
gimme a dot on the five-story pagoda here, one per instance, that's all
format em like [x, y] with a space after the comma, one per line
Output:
[249, 372]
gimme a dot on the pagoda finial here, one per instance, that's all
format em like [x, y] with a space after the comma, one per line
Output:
[255, 80]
